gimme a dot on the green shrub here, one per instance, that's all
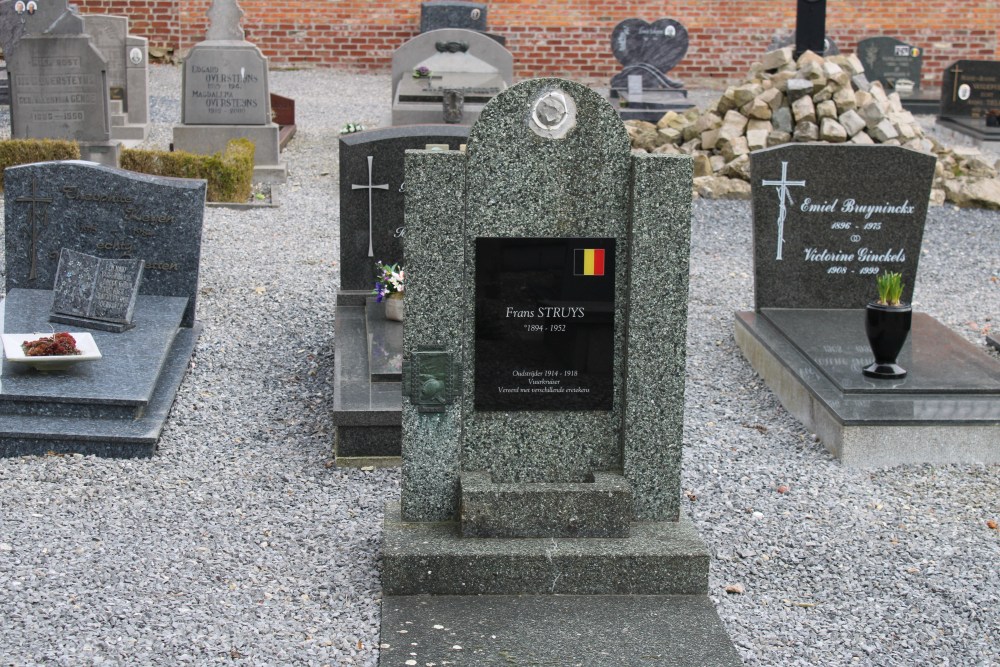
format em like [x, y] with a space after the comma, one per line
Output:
[229, 174]
[26, 151]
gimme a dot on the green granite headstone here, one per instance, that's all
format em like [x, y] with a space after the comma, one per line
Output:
[547, 282]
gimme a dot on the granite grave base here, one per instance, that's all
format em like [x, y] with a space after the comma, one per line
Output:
[657, 558]
[993, 342]
[946, 410]
[115, 406]
[982, 135]
[922, 102]
[367, 391]
[598, 631]
[650, 105]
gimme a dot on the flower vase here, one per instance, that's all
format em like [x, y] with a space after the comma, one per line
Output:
[887, 328]
[394, 307]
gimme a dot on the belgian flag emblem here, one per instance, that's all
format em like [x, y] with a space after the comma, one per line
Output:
[588, 262]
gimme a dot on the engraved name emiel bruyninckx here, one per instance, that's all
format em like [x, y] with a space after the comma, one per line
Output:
[783, 196]
[38, 214]
[370, 187]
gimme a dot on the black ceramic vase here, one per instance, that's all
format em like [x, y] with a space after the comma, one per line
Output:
[887, 328]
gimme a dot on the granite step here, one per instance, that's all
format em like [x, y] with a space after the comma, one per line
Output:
[657, 558]
[600, 508]
[597, 630]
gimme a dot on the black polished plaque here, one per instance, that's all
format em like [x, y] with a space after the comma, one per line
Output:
[545, 319]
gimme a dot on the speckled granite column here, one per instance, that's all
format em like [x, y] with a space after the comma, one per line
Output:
[657, 332]
[435, 187]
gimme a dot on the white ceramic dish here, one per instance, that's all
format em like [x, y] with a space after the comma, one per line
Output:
[84, 342]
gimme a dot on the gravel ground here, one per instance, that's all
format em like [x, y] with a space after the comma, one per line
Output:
[239, 543]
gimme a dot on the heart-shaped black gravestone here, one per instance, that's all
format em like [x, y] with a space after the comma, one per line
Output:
[661, 44]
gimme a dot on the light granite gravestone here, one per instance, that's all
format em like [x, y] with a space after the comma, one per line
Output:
[94, 292]
[58, 81]
[828, 220]
[225, 95]
[128, 75]
[463, 61]
[117, 405]
[532, 243]
[647, 51]
[368, 349]
[970, 90]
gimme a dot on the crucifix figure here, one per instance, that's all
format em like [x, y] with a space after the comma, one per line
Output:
[956, 70]
[34, 211]
[370, 187]
[783, 196]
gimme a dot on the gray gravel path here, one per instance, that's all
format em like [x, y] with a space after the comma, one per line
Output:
[239, 543]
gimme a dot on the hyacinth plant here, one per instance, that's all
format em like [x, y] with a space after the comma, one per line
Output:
[388, 281]
[890, 288]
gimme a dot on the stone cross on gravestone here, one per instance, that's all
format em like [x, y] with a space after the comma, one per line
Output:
[783, 196]
[956, 70]
[34, 221]
[370, 187]
[225, 17]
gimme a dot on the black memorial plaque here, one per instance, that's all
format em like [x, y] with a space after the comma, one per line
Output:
[545, 312]
[971, 88]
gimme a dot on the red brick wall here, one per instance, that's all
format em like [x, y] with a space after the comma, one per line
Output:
[571, 38]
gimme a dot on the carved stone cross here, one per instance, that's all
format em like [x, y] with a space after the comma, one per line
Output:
[37, 206]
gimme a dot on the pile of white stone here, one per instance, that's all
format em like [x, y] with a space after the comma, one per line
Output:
[807, 100]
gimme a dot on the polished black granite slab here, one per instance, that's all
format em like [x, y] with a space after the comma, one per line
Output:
[127, 373]
[366, 414]
[993, 341]
[888, 406]
[937, 359]
[971, 127]
[92, 422]
[385, 349]
[590, 630]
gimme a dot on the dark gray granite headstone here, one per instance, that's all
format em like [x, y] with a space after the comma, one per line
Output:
[371, 195]
[58, 89]
[95, 292]
[970, 88]
[649, 50]
[452, 14]
[828, 219]
[105, 212]
[888, 60]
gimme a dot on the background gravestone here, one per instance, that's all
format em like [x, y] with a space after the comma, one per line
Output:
[649, 50]
[779, 41]
[108, 213]
[463, 61]
[824, 226]
[226, 96]
[970, 88]
[371, 195]
[452, 14]
[128, 76]
[888, 60]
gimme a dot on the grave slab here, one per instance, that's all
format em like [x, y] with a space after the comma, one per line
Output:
[946, 410]
[605, 631]
[113, 407]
